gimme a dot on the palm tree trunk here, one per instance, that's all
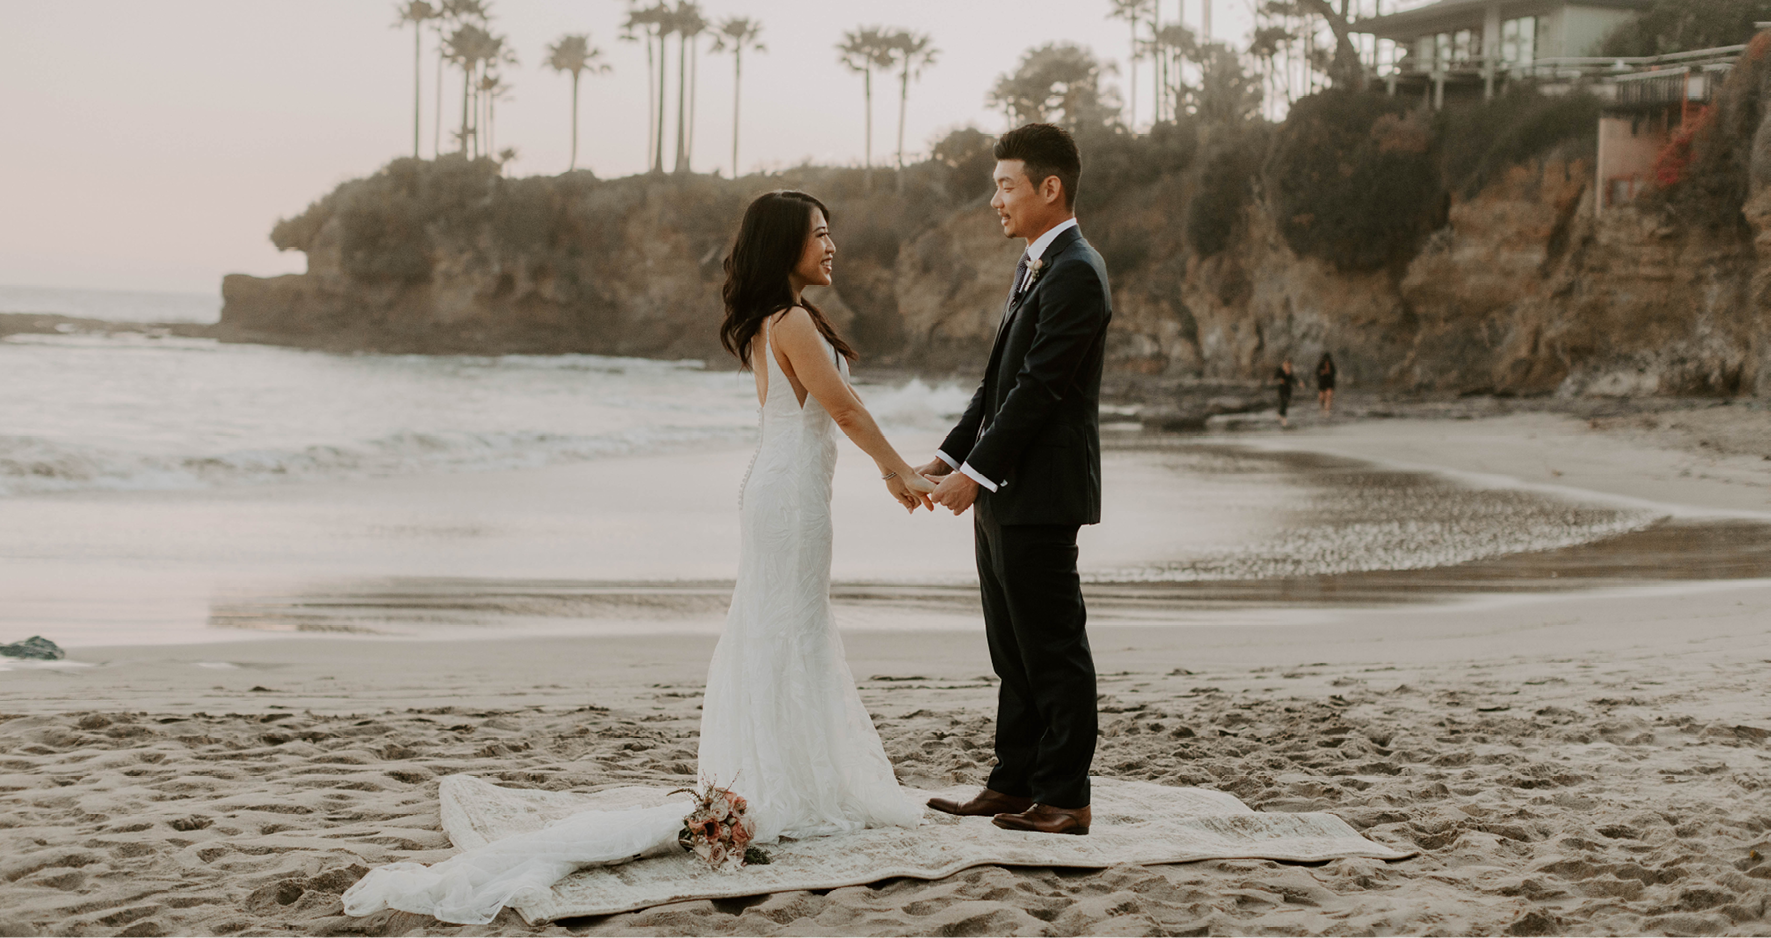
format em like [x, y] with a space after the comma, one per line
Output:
[466, 98]
[682, 103]
[651, 99]
[436, 145]
[663, 56]
[737, 81]
[903, 106]
[867, 160]
[1133, 123]
[694, 89]
[417, 79]
[574, 163]
[1156, 63]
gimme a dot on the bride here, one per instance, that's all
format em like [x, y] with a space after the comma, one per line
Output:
[781, 721]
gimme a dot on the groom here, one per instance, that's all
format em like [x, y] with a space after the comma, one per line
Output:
[1028, 453]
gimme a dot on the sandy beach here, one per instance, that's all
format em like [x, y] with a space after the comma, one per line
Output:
[1587, 761]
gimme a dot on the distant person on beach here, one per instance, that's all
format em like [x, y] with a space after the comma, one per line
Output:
[1286, 378]
[1325, 382]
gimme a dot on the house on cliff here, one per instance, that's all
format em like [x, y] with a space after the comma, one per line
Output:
[1652, 105]
[1471, 48]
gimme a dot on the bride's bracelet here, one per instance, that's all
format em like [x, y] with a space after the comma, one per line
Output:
[888, 476]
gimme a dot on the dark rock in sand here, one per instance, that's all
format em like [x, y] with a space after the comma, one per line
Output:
[36, 647]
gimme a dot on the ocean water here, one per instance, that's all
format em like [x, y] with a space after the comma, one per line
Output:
[112, 305]
[156, 490]
[131, 412]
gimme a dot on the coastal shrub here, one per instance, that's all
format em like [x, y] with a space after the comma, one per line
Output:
[385, 240]
[1353, 179]
[381, 222]
[1715, 155]
[966, 156]
[870, 224]
[298, 233]
[1116, 162]
[1481, 140]
[1685, 26]
[1226, 187]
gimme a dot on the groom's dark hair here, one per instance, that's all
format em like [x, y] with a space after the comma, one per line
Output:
[1047, 150]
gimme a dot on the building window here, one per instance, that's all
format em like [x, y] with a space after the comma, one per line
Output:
[1445, 51]
[1466, 47]
[1518, 41]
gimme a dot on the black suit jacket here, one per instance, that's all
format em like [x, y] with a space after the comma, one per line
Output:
[1034, 425]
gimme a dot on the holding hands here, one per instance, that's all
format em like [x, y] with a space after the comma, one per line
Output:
[910, 488]
[956, 490]
[931, 485]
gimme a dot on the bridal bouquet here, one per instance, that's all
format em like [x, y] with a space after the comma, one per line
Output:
[718, 830]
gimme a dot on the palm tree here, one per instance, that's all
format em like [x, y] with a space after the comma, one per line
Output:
[451, 13]
[655, 23]
[1169, 46]
[415, 12]
[475, 51]
[436, 124]
[1133, 12]
[737, 35]
[863, 50]
[575, 54]
[647, 21]
[492, 88]
[664, 25]
[1159, 71]
[913, 52]
[462, 48]
[688, 24]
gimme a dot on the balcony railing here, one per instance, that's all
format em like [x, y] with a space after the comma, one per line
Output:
[1567, 68]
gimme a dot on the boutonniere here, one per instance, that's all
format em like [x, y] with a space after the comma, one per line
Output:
[1033, 271]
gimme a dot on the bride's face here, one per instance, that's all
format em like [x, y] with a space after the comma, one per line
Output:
[816, 260]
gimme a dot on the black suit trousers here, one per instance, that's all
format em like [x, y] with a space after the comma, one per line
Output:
[1035, 622]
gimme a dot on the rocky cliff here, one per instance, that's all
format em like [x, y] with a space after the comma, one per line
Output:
[1514, 285]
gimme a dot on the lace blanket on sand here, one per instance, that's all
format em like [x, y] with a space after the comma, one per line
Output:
[1134, 823]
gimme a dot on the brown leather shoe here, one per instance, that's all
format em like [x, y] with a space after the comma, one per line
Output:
[1045, 819]
[986, 804]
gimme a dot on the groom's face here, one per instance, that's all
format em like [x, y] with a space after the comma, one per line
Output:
[1026, 210]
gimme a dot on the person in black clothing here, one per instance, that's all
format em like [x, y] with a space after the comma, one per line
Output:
[1286, 378]
[1325, 382]
[1026, 460]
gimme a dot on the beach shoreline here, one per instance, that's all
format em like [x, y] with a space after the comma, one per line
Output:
[1579, 761]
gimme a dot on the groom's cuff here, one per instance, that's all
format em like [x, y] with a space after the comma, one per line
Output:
[949, 460]
[978, 477]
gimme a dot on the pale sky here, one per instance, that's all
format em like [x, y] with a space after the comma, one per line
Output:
[152, 145]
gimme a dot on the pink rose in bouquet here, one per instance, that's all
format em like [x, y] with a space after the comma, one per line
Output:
[718, 829]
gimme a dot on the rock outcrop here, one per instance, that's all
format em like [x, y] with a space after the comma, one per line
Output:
[1523, 290]
[531, 265]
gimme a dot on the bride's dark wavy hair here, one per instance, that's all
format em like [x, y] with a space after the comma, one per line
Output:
[771, 240]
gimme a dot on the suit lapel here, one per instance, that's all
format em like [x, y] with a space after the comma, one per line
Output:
[1059, 244]
[1052, 250]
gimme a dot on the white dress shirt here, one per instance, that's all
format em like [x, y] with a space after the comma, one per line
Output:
[1035, 251]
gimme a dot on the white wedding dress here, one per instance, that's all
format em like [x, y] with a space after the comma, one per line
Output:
[781, 722]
